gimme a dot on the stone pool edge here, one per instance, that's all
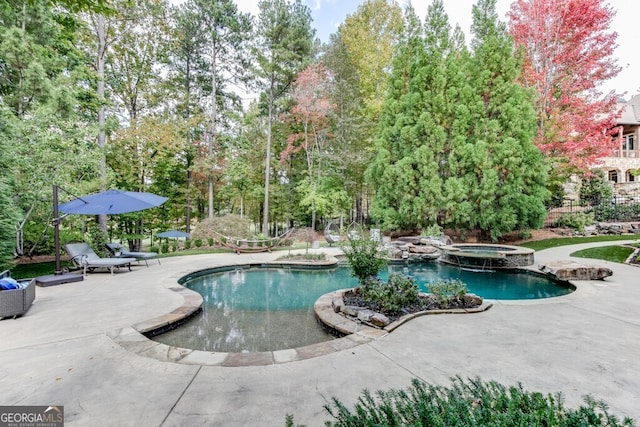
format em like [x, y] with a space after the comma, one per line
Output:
[326, 313]
[355, 333]
[133, 338]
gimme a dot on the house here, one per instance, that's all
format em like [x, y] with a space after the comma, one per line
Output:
[619, 168]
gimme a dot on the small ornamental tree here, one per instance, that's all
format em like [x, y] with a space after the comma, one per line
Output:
[364, 259]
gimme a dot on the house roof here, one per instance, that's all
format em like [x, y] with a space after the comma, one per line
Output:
[630, 111]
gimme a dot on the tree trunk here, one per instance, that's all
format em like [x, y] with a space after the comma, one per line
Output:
[102, 137]
[267, 167]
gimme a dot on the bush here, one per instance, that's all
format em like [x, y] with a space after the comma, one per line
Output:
[165, 248]
[197, 243]
[187, 244]
[364, 258]
[210, 241]
[595, 189]
[390, 297]
[468, 403]
[578, 221]
[97, 240]
[447, 291]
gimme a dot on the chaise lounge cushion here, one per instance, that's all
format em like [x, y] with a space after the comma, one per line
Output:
[119, 251]
[84, 257]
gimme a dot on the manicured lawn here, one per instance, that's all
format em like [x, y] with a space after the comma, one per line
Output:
[607, 253]
[563, 241]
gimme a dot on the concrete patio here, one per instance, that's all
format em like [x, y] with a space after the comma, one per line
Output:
[61, 353]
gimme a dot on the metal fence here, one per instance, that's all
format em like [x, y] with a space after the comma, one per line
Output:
[617, 209]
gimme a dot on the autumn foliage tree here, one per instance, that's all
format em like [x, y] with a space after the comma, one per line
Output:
[568, 49]
[313, 105]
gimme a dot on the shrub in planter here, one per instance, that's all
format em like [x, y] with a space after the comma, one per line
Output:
[364, 258]
[447, 291]
[400, 291]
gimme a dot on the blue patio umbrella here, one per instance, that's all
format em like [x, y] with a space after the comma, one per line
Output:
[108, 202]
[112, 202]
[173, 233]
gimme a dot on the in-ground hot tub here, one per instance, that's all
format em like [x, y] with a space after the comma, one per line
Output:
[480, 256]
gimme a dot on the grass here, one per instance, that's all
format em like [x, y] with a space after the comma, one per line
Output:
[607, 253]
[563, 241]
[36, 269]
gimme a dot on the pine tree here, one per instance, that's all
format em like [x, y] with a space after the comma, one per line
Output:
[499, 165]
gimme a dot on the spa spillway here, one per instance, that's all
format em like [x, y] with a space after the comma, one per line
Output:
[485, 257]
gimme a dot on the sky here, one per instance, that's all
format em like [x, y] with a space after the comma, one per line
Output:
[329, 14]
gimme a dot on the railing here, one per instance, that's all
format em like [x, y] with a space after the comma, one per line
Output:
[617, 209]
[626, 153]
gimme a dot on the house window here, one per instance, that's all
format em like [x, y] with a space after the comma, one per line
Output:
[630, 177]
[613, 176]
[628, 142]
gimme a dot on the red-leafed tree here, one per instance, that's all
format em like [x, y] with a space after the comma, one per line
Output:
[311, 95]
[568, 46]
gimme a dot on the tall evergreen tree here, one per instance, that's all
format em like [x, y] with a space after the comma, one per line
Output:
[413, 141]
[499, 165]
[455, 146]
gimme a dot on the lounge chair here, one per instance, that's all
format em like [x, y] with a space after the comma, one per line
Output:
[119, 251]
[82, 256]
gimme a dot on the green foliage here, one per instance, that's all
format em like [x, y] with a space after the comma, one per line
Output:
[197, 242]
[391, 296]
[447, 291]
[9, 214]
[608, 211]
[97, 239]
[578, 221]
[455, 145]
[468, 403]
[364, 258]
[38, 236]
[595, 189]
[187, 244]
[165, 248]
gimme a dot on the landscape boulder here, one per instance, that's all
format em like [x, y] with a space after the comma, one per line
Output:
[572, 270]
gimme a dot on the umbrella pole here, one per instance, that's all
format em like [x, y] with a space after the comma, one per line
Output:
[56, 229]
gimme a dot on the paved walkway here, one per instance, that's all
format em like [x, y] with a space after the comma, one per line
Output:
[61, 353]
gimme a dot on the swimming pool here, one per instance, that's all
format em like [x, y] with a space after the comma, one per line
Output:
[267, 309]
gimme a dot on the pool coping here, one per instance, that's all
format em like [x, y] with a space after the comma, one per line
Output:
[135, 339]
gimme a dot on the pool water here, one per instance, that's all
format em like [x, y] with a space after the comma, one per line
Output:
[252, 310]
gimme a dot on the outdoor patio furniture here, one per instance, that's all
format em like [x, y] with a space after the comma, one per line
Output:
[119, 251]
[251, 245]
[332, 233]
[16, 302]
[82, 256]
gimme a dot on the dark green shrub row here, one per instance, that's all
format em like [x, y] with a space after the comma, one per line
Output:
[467, 403]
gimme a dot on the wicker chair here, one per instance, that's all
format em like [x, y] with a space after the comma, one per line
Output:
[16, 302]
